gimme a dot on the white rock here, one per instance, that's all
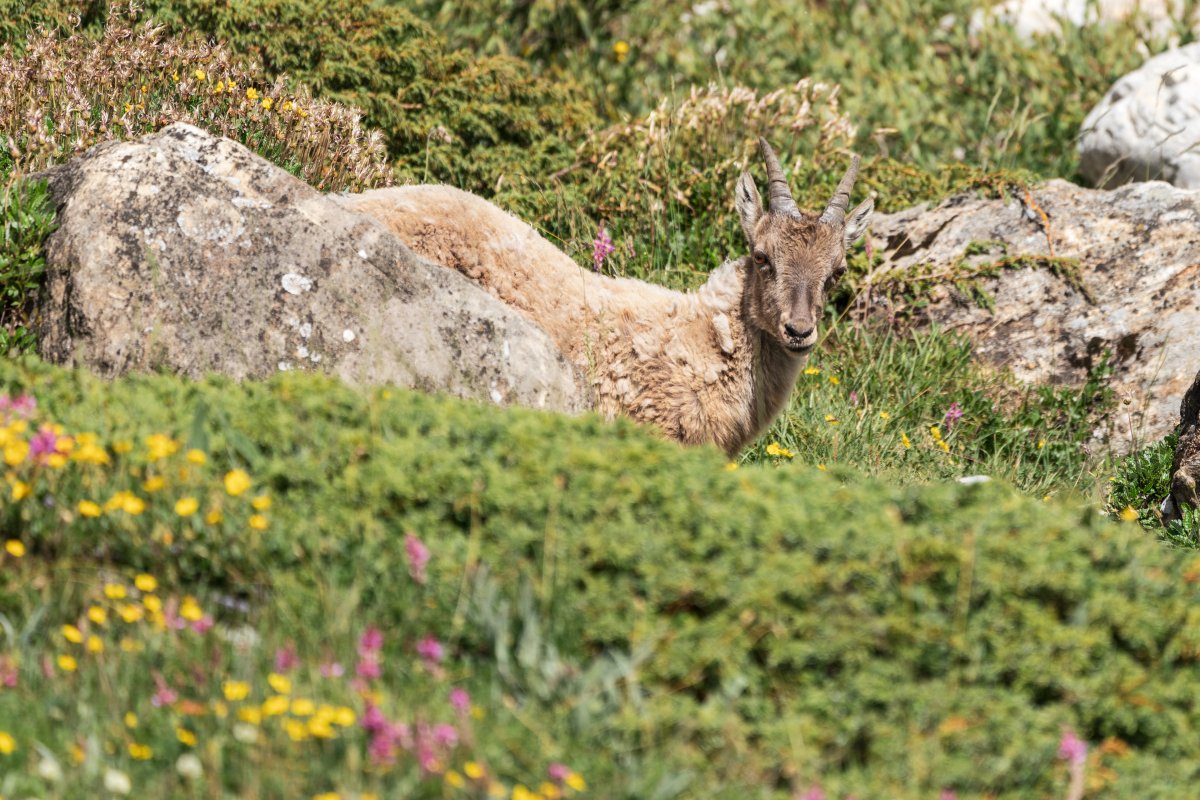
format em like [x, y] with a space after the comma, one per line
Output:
[347, 335]
[295, 284]
[1147, 127]
[116, 781]
[1032, 18]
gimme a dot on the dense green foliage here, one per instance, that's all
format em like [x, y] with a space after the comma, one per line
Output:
[448, 116]
[796, 627]
[26, 219]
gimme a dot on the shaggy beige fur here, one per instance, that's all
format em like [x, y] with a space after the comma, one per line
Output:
[702, 365]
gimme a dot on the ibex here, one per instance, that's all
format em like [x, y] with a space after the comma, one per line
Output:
[714, 365]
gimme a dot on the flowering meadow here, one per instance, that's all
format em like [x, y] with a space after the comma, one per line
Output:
[117, 682]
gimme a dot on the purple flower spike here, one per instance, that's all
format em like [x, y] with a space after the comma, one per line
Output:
[371, 641]
[460, 700]
[1072, 749]
[953, 415]
[418, 557]
[602, 248]
[430, 650]
[445, 735]
[286, 659]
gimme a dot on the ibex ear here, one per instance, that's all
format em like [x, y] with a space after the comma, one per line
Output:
[749, 205]
[856, 222]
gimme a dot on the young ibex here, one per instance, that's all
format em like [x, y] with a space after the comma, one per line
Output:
[714, 365]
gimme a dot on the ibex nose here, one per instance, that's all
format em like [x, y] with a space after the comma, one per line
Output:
[791, 331]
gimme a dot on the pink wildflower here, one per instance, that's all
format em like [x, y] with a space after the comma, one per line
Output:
[418, 557]
[558, 772]
[947, 795]
[368, 668]
[43, 443]
[370, 642]
[1072, 749]
[460, 700]
[286, 659]
[602, 248]
[430, 650]
[373, 719]
[332, 669]
[164, 695]
[813, 793]
[8, 672]
[953, 415]
[445, 735]
[203, 625]
[23, 406]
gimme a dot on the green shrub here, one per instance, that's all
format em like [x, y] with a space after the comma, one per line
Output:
[800, 627]
[448, 116]
[27, 217]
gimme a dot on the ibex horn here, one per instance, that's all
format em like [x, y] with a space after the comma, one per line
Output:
[778, 193]
[835, 212]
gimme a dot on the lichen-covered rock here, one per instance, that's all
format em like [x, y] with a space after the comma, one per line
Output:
[1147, 127]
[186, 252]
[1123, 279]
[1185, 468]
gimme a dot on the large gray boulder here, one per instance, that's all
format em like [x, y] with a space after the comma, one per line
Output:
[1125, 280]
[183, 251]
[1147, 126]
[1033, 18]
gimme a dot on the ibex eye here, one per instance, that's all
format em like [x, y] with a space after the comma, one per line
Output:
[760, 259]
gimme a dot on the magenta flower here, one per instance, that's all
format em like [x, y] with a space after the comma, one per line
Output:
[332, 669]
[373, 719]
[369, 668]
[953, 415]
[430, 650]
[558, 772]
[947, 795]
[418, 557]
[43, 443]
[286, 659]
[370, 642]
[164, 695]
[460, 700]
[813, 793]
[602, 248]
[445, 735]
[853, 398]
[1072, 749]
[23, 406]
[203, 625]
[8, 672]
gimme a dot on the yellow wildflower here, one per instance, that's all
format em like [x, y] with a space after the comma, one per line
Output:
[97, 615]
[90, 453]
[834, 380]
[214, 517]
[318, 727]
[196, 457]
[186, 506]
[131, 720]
[160, 446]
[473, 770]
[576, 782]
[282, 684]
[774, 449]
[344, 716]
[129, 645]
[935, 432]
[114, 591]
[122, 446]
[287, 105]
[218, 87]
[812, 371]
[822, 468]
[67, 663]
[20, 490]
[275, 705]
[252, 716]
[1128, 514]
[520, 792]
[296, 730]
[454, 779]
[220, 709]
[140, 752]
[200, 75]
[190, 610]
[72, 634]
[251, 94]
[235, 690]
[267, 103]
[327, 796]
[129, 613]
[14, 548]
[1041, 444]
[831, 419]
[7, 743]
[94, 645]
[904, 440]
[496, 789]
[261, 503]
[152, 604]
[236, 482]
[549, 791]
[303, 707]
[185, 736]
[884, 415]
[154, 483]
[258, 522]
[87, 508]
[731, 466]
[15, 452]
[145, 583]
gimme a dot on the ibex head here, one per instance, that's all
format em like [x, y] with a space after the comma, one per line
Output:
[796, 257]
